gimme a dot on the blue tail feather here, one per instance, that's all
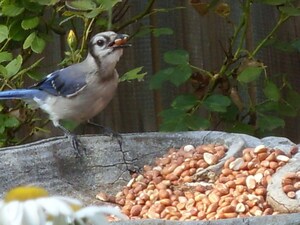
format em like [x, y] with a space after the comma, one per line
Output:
[21, 94]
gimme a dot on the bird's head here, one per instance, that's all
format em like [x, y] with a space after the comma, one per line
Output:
[107, 47]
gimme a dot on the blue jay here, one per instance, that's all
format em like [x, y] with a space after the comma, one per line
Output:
[80, 91]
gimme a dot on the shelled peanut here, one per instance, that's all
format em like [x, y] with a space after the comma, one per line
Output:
[246, 179]
[160, 192]
[291, 185]
[168, 189]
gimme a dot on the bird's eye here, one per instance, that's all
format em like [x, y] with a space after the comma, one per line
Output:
[100, 43]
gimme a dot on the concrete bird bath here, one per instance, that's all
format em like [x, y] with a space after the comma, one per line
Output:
[52, 164]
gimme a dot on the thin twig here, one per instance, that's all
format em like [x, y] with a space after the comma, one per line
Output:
[282, 19]
[137, 17]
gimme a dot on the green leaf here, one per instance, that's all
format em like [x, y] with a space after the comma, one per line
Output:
[290, 11]
[46, 2]
[143, 31]
[162, 31]
[269, 123]
[217, 103]
[160, 77]
[287, 110]
[35, 75]
[38, 44]
[11, 122]
[16, 32]
[231, 114]
[176, 57]
[94, 13]
[28, 41]
[185, 102]
[8, 121]
[3, 33]
[12, 10]
[3, 71]
[242, 128]
[133, 74]
[196, 122]
[14, 66]
[30, 23]
[82, 5]
[180, 74]
[172, 113]
[102, 22]
[271, 91]
[293, 98]
[249, 74]
[179, 120]
[173, 120]
[35, 7]
[32, 66]
[288, 107]
[5, 56]
[108, 4]
[2, 130]
[268, 106]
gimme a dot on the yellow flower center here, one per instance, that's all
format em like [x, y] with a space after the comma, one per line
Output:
[25, 193]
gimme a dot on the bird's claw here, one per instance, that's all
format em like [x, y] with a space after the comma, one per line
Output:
[80, 150]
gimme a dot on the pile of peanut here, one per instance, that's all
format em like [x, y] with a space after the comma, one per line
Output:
[291, 185]
[172, 190]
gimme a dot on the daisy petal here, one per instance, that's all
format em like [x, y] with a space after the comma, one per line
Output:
[61, 220]
[70, 201]
[12, 213]
[91, 210]
[98, 219]
[33, 214]
[54, 206]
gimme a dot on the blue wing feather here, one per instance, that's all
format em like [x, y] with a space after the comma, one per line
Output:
[65, 82]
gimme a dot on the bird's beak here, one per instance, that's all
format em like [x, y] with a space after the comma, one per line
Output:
[120, 41]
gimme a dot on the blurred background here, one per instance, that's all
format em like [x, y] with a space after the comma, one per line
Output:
[136, 108]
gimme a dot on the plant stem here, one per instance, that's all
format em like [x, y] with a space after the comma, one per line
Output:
[4, 45]
[32, 132]
[242, 26]
[202, 71]
[244, 23]
[282, 19]
[87, 29]
[137, 17]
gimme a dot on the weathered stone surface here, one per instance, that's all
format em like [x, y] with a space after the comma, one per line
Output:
[276, 196]
[284, 219]
[52, 164]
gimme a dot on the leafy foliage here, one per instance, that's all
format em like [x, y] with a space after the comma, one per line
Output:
[27, 27]
[228, 96]
[178, 73]
[133, 74]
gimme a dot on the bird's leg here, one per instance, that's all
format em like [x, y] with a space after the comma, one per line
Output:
[108, 132]
[75, 142]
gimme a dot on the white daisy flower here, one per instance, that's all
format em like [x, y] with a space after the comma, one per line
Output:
[33, 206]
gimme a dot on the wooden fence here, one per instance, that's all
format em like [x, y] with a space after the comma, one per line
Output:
[135, 107]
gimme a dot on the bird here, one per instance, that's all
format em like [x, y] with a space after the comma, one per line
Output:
[80, 91]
